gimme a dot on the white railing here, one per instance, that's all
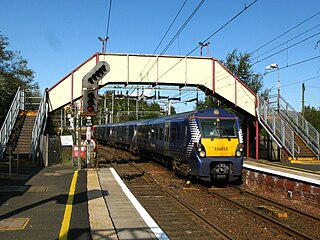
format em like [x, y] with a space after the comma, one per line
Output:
[306, 132]
[39, 126]
[8, 124]
[276, 127]
[301, 126]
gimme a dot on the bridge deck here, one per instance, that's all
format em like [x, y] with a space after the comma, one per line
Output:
[206, 73]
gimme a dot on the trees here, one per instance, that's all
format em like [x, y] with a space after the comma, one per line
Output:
[14, 73]
[313, 116]
[239, 64]
[126, 108]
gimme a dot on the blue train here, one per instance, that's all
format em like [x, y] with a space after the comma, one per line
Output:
[206, 144]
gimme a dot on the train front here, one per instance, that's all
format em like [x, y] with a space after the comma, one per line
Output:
[217, 146]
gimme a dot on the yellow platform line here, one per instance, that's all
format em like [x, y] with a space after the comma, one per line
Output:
[68, 211]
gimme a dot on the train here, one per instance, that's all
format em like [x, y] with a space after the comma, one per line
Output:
[206, 144]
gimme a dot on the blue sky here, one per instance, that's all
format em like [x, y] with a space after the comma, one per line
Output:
[57, 36]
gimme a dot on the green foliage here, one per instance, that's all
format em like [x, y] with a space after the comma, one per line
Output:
[209, 102]
[14, 73]
[313, 116]
[240, 65]
[122, 106]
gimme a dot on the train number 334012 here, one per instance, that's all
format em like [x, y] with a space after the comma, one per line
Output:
[221, 148]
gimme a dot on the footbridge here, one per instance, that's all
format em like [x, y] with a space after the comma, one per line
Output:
[285, 126]
[207, 74]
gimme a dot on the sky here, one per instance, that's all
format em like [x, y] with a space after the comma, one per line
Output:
[57, 36]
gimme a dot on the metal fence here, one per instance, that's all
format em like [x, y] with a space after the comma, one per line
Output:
[276, 127]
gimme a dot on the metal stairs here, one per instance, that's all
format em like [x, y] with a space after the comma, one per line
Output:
[306, 135]
[24, 138]
[24, 124]
[289, 130]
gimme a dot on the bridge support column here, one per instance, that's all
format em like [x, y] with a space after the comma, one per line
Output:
[248, 140]
[257, 139]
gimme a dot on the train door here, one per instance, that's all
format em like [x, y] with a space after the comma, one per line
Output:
[152, 138]
[166, 137]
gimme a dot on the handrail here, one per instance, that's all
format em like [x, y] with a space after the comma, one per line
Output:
[13, 112]
[39, 125]
[276, 126]
[308, 134]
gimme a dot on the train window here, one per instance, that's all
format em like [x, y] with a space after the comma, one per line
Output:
[228, 128]
[157, 134]
[166, 134]
[209, 127]
[217, 128]
[173, 135]
[160, 133]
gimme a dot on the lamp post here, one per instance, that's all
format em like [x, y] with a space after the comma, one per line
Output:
[202, 46]
[103, 40]
[272, 67]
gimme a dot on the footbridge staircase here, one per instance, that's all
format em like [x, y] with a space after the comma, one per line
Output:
[22, 128]
[289, 129]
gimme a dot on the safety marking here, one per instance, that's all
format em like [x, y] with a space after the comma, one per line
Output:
[143, 213]
[68, 211]
[283, 174]
[293, 168]
[13, 223]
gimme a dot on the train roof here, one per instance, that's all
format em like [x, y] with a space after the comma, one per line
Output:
[204, 113]
[208, 112]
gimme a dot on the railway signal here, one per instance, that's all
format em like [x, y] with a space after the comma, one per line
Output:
[91, 79]
[90, 102]
[90, 88]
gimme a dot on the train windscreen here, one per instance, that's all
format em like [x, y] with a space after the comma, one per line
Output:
[211, 128]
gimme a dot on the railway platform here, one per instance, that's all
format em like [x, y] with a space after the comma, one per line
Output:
[309, 173]
[297, 182]
[59, 202]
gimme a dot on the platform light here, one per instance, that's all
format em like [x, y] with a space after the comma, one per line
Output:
[91, 79]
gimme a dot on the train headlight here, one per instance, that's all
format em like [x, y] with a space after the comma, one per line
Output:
[238, 153]
[239, 150]
[202, 153]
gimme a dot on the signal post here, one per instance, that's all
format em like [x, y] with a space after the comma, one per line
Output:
[90, 102]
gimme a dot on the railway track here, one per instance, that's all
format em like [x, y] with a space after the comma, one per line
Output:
[236, 213]
[178, 219]
[293, 222]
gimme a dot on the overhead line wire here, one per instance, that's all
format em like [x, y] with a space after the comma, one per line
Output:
[175, 36]
[175, 18]
[183, 26]
[108, 22]
[293, 45]
[285, 42]
[285, 33]
[214, 33]
[293, 64]
[173, 21]
[305, 80]
[223, 26]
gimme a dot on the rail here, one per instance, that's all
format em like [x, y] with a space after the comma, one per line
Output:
[13, 112]
[276, 127]
[39, 126]
[308, 134]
